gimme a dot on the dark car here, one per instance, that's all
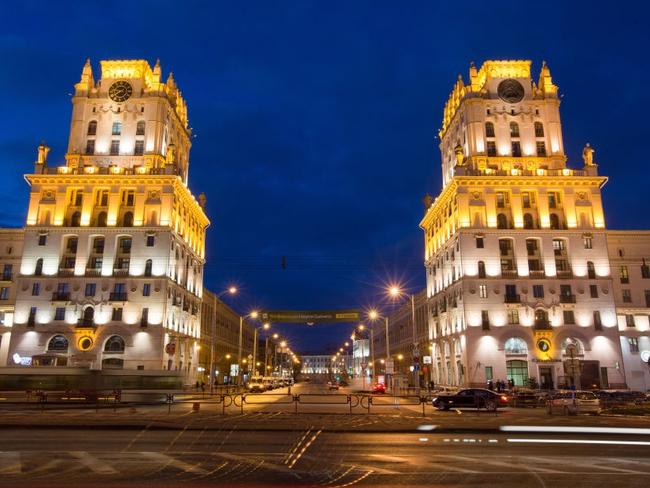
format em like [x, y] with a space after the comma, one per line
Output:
[471, 398]
[523, 398]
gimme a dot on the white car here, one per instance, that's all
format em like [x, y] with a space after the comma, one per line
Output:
[256, 386]
[573, 402]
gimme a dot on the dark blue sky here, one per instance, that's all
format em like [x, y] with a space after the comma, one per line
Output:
[315, 121]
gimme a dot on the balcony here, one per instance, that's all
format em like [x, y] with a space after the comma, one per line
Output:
[509, 273]
[61, 296]
[120, 272]
[66, 272]
[93, 272]
[542, 325]
[565, 274]
[512, 299]
[85, 323]
[567, 298]
[118, 297]
[538, 273]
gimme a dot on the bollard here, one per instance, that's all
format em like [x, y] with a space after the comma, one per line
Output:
[170, 400]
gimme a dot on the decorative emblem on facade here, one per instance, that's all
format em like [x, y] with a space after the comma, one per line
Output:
[510, 91]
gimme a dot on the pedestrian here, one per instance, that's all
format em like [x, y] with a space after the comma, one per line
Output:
[203, 386]
[197, 385]
[490, 385]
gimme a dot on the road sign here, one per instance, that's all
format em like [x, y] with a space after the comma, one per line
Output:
[311, 316]
[426, 359]
[390, 366]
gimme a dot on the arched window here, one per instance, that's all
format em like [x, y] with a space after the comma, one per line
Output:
[591, 270]
[514, 129]
[502, 221]
[75, 220]
[38, 270]
[489, 129]
[541, 319]
[102, 219]
[114, 344]
[139, 129]
[555, 221]
[528, 221]
[58, 343]
[147, 267]
[516, 345]
[89, 314]
[481, 269]
[92, 128]
[539, 129]
[127, 220]
[573, 343]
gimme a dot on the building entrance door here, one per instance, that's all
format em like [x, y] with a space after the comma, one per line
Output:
[590, 374]
[546, 377]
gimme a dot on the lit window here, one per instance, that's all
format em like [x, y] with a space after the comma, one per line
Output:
[482, 289]
[117, 129]
[629, 320]
[588, 242]
[139, 148]
[115, 148]
[36, 289]
[634, 344]
[539, 129]
[514, 129]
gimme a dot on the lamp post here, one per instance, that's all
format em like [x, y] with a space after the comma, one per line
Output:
[252, 315]
[265, 326]
[396, 292]
[213, 332]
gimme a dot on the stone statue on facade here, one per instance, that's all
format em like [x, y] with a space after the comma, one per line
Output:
[43, 151]
[588, 155]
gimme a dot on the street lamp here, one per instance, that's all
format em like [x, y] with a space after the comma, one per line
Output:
[362, 327]
[265, 326]
[213, 331]
[252, 315]
[395, 292]
[374, 315]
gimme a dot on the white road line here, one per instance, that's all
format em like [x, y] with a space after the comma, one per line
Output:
[92, 463]
[574, 430]
[170, 461]
[579, 441]
[10, 462]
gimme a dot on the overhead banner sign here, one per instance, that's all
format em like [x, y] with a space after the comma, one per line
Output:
[311, 316]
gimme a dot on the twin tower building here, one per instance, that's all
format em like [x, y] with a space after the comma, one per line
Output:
[524, 281]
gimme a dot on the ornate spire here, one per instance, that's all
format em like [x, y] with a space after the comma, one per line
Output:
[157, 71]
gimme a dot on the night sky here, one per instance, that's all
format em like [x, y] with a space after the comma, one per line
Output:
[315, 122]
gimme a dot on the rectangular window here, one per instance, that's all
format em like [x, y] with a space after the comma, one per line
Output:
[151, 241]
[125, 245]
[552, 200]
[98, 245]
[525, 199]
[146, 289]
[634, 344]
[559, 246]
[627, 296]
[489, 376]
[588, 242]
[597, 322]
[139, 148]
[491, 148]
[593, 291]
[128, 198]
[91, 289]
[115, 148]
[513, 316]
[569, 317]
[531, 246]
[485, 320]
[538, 291]
[59, 313]
[144, 320]
[482, 291]
[117, 314]
[647, 298]
[4, 293]
[516, 149]
[541, 149]
[629, 320]
[36, 289]
[645, 271]
[7, 272]
[42, 239]
[624, 274]
[117, 129]
[501, 199]
[562, 265]
[90, 146]
[534, 265]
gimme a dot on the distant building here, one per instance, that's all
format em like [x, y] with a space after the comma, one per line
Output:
[11, 253]
[325, 365]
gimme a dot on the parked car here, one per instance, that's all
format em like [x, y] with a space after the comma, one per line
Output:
[573, 402]
[471, 398]
[332, 385]
[256, 385]
[523, 398]
[379, 388]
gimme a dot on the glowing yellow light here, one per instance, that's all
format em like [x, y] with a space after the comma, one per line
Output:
[227, 356]
[400, 357]
[346, 344]
[254, 314]
[361, 326]
[232, 290]
[373, 314]
[266, 326]
[283, 344]
[275, 336]
[394, 291]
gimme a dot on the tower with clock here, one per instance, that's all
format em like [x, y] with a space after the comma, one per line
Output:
[516, 251]
[112, 272]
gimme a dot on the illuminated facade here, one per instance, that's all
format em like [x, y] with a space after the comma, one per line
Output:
[518, 275]
[11, 251]
[112, 269]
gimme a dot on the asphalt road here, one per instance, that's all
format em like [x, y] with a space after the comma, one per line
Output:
[268, 446]
[170, 458]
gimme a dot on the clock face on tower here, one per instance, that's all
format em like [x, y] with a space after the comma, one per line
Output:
[120, 91]
[510, 91]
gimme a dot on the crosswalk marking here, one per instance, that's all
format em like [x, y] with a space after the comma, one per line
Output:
[170, 461]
